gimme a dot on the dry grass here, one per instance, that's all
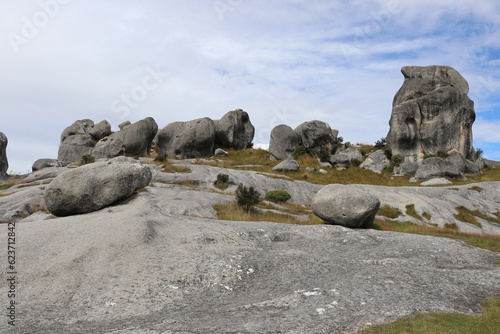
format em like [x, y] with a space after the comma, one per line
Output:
[168, 167]
[469, 216]
[193, 184]
[445, 323]
[410, 211]
[389, 212]
[234, 212]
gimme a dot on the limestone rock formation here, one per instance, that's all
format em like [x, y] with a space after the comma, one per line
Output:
[288, 165]
[431, 112]
[283, 142]
[95, 186]
[46, 163]
[340, 161]
[345, 205]
[376, 161]
[234, 130]
[455, 166]
[316, 136]
[100, 130]
[76, 141]
[4, 164]
[193, 139]
[133, 140]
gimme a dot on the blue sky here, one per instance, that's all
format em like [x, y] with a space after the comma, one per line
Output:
[281, 61]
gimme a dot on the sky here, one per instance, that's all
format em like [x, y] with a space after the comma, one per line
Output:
[282, 61]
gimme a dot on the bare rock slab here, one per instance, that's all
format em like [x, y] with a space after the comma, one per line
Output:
[345, 205]
[95, 186]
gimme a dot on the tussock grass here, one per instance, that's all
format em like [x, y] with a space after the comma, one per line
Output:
[234, 212]
[168, 167]
[469, 216]
[427, 215]
[445, 323]
[476, 188]
[388, 212]
[410, 211]
[490, 242]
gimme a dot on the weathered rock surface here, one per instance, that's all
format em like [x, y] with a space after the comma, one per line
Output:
[283, 142]
[234, 130]
[193, 139]
[431, 112]
[4, 164]
[288, 165]
[95, 186]
[100, 130]
[436, 182]
[345, 205]
[220, 152]
[340, 161]
[436, 167]
[352, 153]
[46, 163]
[76, 141]
[316, 136]
[376, 161]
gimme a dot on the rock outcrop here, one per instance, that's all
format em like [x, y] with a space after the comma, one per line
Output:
[193, 139]
[345, 205]
[283, 142]
[95, 186]
[317, 136]
[376, 161]
[100, 130]
[76, 141]
[288, 165]
[45, 163]
[4, 164]
[455, 166]
[234, 130]
[431, 112]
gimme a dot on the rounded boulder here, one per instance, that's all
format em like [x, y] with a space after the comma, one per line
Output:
[95, 186]
[346, 206]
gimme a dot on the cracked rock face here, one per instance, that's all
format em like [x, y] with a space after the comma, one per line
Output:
[431, 112]
[4, 164]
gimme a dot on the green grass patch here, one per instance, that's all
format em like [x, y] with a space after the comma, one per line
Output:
[445, 323]
[470, 216]
[389, 212]
[234, 212]
[427, 215]
[476, 188]
[410, 211]
[168, 167]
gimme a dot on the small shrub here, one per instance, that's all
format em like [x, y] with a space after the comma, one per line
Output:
[278, 196]
[299, 150]
[427, 215]
[397, 160]
[451, 226]
[247, 197]
[362, 151]
[222, 181]
[355, 162]
[87, 159]
[381, 143]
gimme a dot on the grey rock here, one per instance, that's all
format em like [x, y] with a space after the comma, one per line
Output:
[322, 171]
[406, 168]
[436, 182]
[18, 203]
[283, 142]
[376, 161]
[431, 112]
[316, 136]
[436, 167]
[76, 141]
[95, 186]
[340, 161]
[46, 163]
[4, 163]
[133, 140]
[234, 130]
[310, 169]
[123, 125]
[466, 166]
[345, 205]
[325, 164]
[100, 130]
[288, 165]
[221, 152]
[484, 163]
[193, 139]
[352, 153]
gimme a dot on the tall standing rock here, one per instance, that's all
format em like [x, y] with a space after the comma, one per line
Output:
[76, 141]
[431, 112]
[234, 130]
[316, 136]
[4, 164]
[193, 139]
[283, 142]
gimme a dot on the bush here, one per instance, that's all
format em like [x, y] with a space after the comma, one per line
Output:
[278, 196]
[88, 159]
[355, 162]
[247, 197]
[299, 150]
[397, 160]
[222, 181]
[381, 143]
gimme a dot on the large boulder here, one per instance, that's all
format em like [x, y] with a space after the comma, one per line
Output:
[345, 205]
[4, 164]
[46, 163]
[435, 167]
[76, 141]
[340, 161]
[316, 137]
[376, 161]
[95, 186]
[288, 165]
[431, 112]
[234, 130]
[283, 142]
[133, 140]
[193, 139]
[100, 130]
